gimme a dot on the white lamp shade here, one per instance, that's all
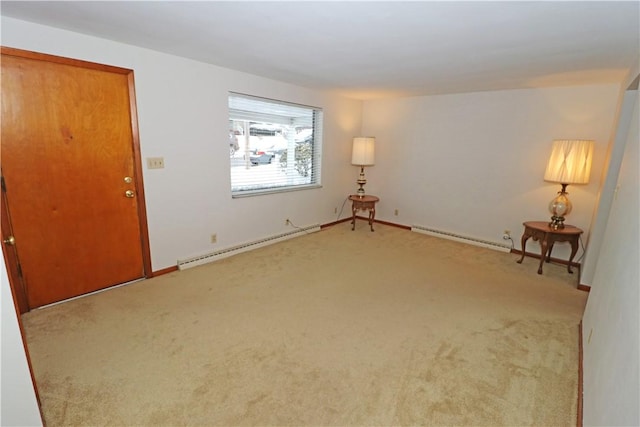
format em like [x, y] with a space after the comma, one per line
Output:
[570, 162]
[364, 151]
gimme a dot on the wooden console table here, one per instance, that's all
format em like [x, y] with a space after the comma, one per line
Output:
[365, 202]
[540, 230]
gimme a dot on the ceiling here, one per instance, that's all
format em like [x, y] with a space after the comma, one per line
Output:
[376, 49]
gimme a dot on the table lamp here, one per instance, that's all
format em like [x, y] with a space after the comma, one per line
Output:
[569, 163]
[363, 154]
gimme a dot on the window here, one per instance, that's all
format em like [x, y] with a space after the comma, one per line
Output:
[273, 145]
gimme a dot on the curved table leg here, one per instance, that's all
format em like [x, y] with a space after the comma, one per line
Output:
[523, 243]
[549, 251]
[353, 216]
[372, 215]
[574, 250]
[544, 248]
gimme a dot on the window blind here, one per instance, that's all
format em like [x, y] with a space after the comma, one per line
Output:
[276, 145]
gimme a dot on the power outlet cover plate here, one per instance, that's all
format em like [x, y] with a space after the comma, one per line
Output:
[155, 162]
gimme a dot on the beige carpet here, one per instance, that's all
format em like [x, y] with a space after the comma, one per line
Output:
[336, 328]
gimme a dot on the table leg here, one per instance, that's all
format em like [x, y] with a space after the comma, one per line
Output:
[523, 243]
[372, 215]
[544, 247]
[549, 251]
[574, 250]
[353, 216]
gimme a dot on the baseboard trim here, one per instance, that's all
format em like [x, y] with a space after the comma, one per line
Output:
[554, 260]
[377, 221]
[585, 288]
[164, 271]
[391, 224]
[206, 258]
[331, 224]
[469, 240]
[580, 376]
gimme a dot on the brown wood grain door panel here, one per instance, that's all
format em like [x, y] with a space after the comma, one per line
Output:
[10, 254]
[68, 144]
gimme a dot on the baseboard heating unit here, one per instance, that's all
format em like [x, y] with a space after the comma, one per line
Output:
[227, 252]
[460, 238]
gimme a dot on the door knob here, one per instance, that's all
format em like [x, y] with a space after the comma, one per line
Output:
[10, 240]
[129, 193]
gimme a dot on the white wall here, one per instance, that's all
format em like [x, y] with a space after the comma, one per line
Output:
[183, 117]
[609, 179]
[18, 405]
[611, 323]
[473, 163]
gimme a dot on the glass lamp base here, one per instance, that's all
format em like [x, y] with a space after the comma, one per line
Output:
[559, 207]
[361, 182]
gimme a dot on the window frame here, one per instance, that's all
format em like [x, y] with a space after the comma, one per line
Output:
[262, 114]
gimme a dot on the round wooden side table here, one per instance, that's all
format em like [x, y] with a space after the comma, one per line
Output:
[366, 202]
[540, 230]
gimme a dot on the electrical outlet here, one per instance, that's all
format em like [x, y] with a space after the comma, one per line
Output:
[214, 238]
[155, 162]
[395, 212]
[506, 235]
[287, 222]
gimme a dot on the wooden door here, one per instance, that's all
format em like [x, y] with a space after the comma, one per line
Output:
[72, 173]
[14, 269]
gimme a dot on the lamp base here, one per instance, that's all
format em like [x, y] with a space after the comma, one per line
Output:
[557, 222]
[361, 182]
[559, 207]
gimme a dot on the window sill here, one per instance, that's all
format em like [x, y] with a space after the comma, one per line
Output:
[252, 193]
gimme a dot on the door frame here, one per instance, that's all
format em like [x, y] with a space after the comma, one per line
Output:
[135, 150]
